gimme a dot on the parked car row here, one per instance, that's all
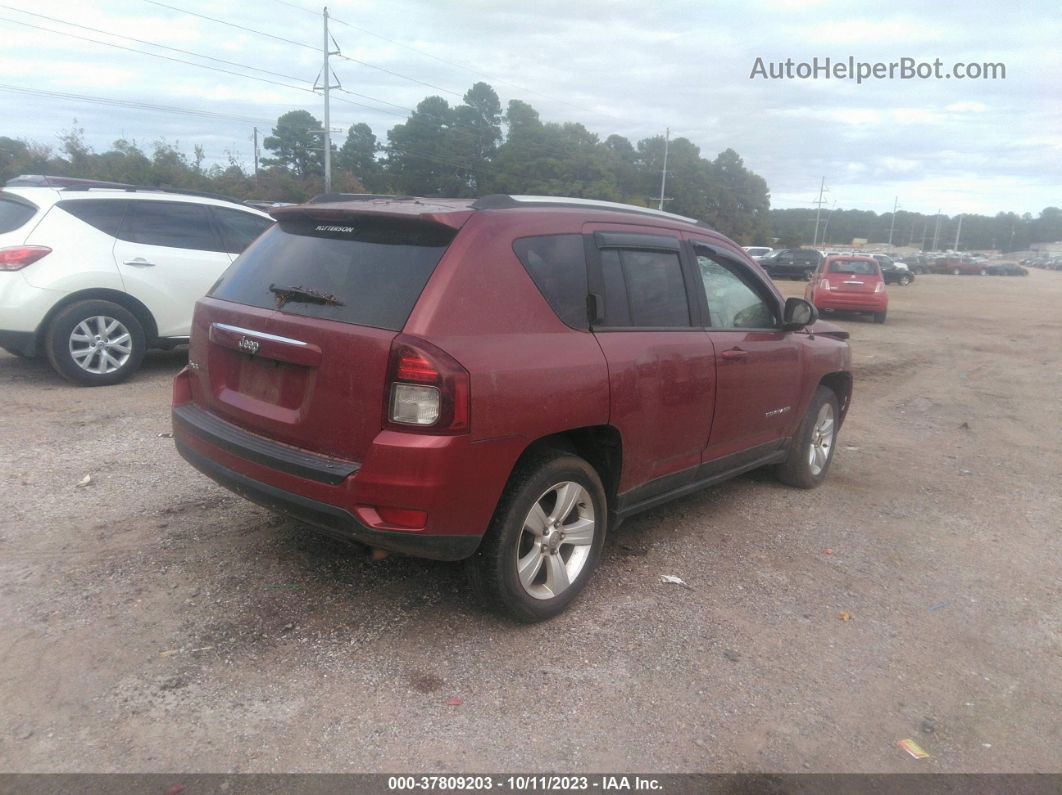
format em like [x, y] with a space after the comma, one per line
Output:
[93, 274]
[1045, 262]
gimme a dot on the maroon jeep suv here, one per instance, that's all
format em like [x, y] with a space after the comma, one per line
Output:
[500, 379]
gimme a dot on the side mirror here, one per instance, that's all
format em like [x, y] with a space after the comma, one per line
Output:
[798, 314]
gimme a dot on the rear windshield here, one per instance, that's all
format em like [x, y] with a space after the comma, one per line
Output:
[853, 266]
[14, 214]
[365, 272]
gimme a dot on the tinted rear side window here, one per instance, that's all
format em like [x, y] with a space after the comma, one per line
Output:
[557, 265]
[239, 229]
[14, 214]
[644, 288]
[375, 272]
[172, 224]
[103, 214]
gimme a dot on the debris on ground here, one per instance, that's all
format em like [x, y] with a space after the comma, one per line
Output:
[827, 551]
[929, 726]
[850, 447]
[731, 655]
[913, 748]
[379, 554]
[671, 579]
[85, 481]
[454, 701]
[844, 615]
[938, 606]
[964, 427]
[166, 435]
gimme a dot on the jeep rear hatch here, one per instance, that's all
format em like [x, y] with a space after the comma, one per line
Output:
[294, 339]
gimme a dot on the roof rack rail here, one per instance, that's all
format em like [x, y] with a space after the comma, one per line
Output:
[328, 198]
[77, 184]
[501, 201]
[42, 181]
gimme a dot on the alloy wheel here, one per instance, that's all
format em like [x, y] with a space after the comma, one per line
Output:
[821, 440]
[100, 345]
[555, 542]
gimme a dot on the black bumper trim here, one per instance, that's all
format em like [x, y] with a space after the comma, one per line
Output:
[23, 342]
[192, 419]
[328, 519]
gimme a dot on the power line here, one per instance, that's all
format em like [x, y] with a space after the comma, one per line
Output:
[183, 61]
[299, 44]
[465, 67]
[231, 24]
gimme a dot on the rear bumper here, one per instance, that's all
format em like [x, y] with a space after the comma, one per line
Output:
[852, 302]
[328, 519]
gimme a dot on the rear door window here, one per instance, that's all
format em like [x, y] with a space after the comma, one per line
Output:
[239, 229]
[173, 224]
[104, 214]
[557, 266]
[14, 214]
[644, 289]
[369, 273]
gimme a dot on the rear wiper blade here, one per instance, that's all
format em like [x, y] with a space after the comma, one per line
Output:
[303, 295]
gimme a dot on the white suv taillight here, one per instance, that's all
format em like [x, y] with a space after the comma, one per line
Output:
[428, 390]
[15, 258]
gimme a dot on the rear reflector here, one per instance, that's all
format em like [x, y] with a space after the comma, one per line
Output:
[402, 517]
[18, 257]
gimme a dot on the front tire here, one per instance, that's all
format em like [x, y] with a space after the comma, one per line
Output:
[879, 317]
[812, 447]
[955, 271]
[905, 280]
[95, 343]
[545, 538]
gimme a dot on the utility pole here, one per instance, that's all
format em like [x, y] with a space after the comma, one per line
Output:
[958, 232]
[818, 211]
[326, 83]
[892, 223]
[925, 229]
[256, 156]
[936, 230]
[663, 175]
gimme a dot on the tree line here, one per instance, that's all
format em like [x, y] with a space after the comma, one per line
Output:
[477, 147]
[1003, 231]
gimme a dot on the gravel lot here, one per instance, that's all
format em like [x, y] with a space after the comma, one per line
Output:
[151, 621]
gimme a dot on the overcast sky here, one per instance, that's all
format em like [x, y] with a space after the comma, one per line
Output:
[632, 68]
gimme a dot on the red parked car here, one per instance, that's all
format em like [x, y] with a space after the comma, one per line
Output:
[500, 380]
[849, 284]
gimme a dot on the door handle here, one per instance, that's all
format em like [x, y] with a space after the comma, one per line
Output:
[734, 354]
[140, 262]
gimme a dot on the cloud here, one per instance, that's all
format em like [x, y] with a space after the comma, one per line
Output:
[631, 69]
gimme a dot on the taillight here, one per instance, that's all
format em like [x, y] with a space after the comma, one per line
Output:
[824, 285]
[16, 258]
[427, 389]
[879, 287]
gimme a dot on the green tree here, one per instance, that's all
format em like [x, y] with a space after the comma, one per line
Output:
[357, 156]
[297, 142]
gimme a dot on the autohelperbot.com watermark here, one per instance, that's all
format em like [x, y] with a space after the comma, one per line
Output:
[851, 69]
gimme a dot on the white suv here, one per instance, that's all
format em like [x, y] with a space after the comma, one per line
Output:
[92, 276]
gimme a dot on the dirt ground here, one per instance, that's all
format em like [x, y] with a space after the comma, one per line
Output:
[152, 621]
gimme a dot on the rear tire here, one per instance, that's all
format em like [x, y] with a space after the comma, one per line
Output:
[811, 450]
[95, 343]
[879, 317]
[905, 280]
[545, 538]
